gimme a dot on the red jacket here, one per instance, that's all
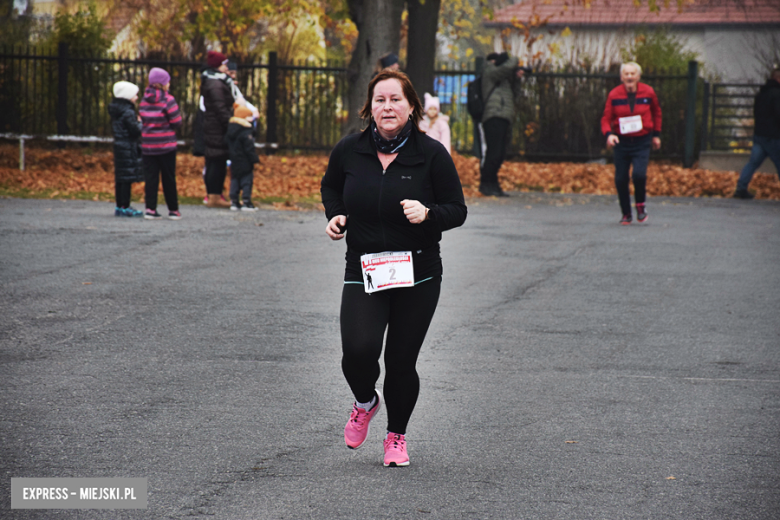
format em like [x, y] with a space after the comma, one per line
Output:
[646, 105]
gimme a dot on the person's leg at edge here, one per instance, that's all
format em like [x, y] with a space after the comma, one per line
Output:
[168, 174]
[622, 166]
[411, 312]
[757, 156]
[772, 148]
[151, 181]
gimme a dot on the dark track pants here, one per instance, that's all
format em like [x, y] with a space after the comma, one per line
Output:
[496, 132]
[156, 168]
[406, 315]
[242, 185]
[636, 151]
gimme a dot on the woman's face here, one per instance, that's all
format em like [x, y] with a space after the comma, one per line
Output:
[390, 108]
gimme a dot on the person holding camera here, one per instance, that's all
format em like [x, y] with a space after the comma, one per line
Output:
[500, 86]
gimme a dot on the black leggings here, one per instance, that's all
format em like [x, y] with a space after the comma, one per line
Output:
[216, 172]
[159, 168]
[406, 314]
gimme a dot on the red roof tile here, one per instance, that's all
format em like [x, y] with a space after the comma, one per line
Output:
[625, 12]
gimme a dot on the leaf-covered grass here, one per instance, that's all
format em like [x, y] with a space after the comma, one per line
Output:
[294, 182]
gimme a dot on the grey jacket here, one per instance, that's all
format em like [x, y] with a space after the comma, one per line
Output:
[501, 101]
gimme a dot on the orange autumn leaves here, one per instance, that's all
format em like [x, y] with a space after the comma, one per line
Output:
[294, 182]
[598, 179]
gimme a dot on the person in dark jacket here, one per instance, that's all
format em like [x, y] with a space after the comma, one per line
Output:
[218, 98]
[766, 134]
[394, 190]
[161, 117]
[243, 157]
[501, 88]
[126, 126]
[631, 123]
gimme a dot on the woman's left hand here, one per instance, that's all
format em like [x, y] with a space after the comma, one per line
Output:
[415, 211]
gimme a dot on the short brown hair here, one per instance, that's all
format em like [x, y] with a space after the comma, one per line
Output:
[406, 86]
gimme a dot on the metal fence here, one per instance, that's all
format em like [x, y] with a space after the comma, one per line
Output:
[728, 124]
[303, 105]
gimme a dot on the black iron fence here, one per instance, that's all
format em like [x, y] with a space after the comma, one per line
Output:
[728, 123]
[303, 105]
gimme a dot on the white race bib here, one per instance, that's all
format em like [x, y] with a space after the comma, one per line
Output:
[629, 125]
[388, 270]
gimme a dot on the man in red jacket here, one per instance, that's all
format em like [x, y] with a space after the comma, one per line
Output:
[632, 124]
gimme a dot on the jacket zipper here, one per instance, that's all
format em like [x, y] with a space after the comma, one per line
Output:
[379, 204]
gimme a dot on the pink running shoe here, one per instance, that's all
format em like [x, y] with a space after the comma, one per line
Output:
[395, 451]
[356, 430]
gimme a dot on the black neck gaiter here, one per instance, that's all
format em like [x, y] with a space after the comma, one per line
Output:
[391, 145]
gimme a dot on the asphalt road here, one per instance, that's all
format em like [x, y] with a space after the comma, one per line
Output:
[575, 369]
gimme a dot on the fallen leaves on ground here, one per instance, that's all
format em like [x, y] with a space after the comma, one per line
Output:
[289, 183]
[599, 179]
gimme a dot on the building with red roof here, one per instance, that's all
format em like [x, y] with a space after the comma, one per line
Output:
[736, 40]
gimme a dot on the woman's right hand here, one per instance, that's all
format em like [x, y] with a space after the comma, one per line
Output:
[612, 140]
[336, 226]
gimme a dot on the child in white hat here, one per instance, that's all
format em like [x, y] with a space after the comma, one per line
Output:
[434, 123]
[126, 127]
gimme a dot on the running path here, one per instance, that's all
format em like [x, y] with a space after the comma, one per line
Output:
[573, 368]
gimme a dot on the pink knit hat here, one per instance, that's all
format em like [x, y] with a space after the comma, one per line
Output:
[158, 75]
[431, 101]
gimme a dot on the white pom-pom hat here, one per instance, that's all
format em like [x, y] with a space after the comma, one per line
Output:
[125, 90]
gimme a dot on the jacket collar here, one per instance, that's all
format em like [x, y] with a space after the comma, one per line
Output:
[411, 153]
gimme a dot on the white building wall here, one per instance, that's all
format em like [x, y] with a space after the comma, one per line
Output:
[734, 55]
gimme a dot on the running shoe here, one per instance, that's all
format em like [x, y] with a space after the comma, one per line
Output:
[130, 211]
[206, 199]
[248, 206]
[743, 194]
[358, 426]
[395, 451]
[626, 220]
[151, 214]
[174, 215]
[641, 214]
[119, 212]
[235, 206]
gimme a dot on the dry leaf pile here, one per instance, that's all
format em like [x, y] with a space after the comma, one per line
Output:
[291, 182]
[599, 179]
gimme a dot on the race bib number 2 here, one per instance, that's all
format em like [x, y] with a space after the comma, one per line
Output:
[629, 125]
[388, 270]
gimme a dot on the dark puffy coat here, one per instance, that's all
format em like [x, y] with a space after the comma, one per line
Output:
[500, 88]
[218, 99]
[767, 110]
[127, 131]
[242, 147]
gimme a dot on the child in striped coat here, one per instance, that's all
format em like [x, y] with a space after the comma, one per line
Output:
[161, 117]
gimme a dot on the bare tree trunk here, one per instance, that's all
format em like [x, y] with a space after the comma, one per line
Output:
[379, 26]
[421, 43]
